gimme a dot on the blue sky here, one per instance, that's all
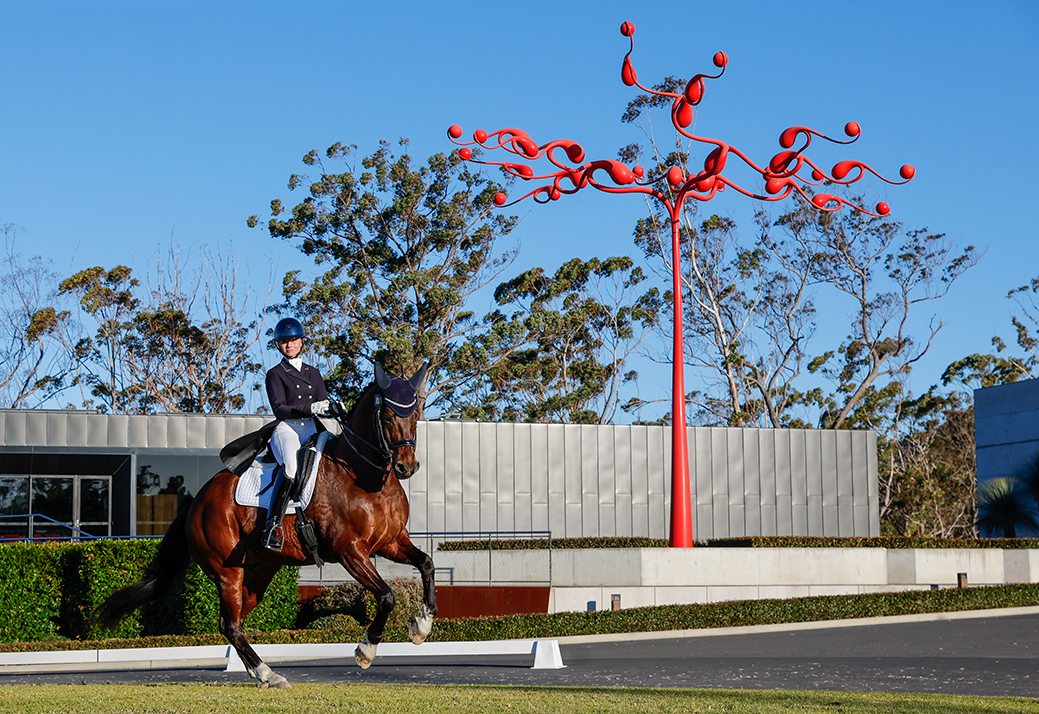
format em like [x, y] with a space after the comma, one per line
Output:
[125, 121]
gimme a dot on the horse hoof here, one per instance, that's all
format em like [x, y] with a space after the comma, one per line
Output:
[365, 654]
[420, 627]
[415, 634]
[279, 682]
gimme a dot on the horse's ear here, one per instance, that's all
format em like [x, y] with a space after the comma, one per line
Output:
[419, 377]
[381, 378]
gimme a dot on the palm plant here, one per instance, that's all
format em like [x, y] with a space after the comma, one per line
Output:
[1004, 504]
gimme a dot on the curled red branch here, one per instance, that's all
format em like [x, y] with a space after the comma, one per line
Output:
[787, 172]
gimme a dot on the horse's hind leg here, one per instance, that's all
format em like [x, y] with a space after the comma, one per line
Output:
[359, 565]
[404, 551]
[238, 596]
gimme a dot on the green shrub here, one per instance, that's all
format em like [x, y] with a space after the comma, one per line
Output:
[747, 542]
[30, 591]
[349, 605]
[545, 543]
[51, 590]
[93, 571]
[646, 619]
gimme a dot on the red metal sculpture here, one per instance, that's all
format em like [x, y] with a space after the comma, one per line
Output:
[787, 172]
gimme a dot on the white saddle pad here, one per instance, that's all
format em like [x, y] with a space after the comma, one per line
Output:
[255, 489]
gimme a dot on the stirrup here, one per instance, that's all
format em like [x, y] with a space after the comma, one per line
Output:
[272, 538]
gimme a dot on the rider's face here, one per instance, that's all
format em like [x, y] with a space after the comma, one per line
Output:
[290, 347]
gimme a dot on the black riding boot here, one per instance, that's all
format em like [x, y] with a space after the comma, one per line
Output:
[272, 533]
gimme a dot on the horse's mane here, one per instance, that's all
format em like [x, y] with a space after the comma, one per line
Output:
[360, 398]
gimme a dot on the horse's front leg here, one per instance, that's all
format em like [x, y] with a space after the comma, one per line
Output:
[360, 566]
[403, 550]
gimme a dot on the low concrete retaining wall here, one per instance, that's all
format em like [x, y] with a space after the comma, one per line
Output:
[580, 579]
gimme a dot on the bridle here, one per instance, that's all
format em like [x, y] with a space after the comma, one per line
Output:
[386, 448]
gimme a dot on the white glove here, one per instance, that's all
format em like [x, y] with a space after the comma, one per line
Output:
[320, 409]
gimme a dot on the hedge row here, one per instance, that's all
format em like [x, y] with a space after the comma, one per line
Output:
[645, 619]
[52, 591]
[748, 542]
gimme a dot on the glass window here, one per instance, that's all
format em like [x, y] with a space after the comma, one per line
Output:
[14, 507]
[163, 483]
[52, 505]
[95, 505]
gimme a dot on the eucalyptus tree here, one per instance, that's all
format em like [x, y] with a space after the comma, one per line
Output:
[34, 363]
[400, 249]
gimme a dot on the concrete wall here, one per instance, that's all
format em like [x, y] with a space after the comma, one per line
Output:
[664, 576]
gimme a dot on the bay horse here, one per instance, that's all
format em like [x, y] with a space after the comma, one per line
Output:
[358, 509]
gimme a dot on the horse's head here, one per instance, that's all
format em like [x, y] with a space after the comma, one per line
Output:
[396, 418]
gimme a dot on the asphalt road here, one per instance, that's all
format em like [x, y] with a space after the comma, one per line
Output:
[986, 655]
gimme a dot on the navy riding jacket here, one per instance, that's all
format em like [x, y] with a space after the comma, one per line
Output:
[291, 392]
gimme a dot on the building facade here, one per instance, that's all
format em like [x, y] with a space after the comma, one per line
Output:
[127, 475]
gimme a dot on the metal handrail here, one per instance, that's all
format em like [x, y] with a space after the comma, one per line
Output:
[30, 516]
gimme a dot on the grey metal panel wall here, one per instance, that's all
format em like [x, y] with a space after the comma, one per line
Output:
[575, 480]
[615, 480]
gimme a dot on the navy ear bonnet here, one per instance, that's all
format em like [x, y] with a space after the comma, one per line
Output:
[400, 397]
[397, 393]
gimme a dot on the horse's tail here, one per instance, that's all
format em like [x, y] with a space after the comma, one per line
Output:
[169, 567]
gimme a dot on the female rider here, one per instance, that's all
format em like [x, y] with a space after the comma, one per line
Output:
[297, 394]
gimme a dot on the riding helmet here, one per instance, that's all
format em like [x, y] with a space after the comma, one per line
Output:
[288, 328]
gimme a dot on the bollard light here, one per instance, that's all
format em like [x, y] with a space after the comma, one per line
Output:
[961, 580]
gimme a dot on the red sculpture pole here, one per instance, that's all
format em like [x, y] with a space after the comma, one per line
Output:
[783, 175]
[681, 532]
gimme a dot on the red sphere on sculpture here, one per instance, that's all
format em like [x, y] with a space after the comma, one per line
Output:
[852, 128]
[720, 59]
[675, 175]
[883, 209]
[500, 199]
[454, 131]
[627, 29]
[465, 153]
[907, 172]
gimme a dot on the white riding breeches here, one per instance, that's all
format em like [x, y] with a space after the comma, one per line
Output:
[286, 440]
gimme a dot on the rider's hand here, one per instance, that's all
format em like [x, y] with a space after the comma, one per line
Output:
[320, 409]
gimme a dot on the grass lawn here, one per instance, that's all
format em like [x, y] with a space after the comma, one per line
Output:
[422, 699]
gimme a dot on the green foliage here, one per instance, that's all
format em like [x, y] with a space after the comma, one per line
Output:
[735, 613]
[891, 542]
[645, 619]
[350, 607]
[572, 336]
[558, 543]
[95, 570]
[30, 591]
[1004, 504]
[56, 590]
[34, 365]
[403, 247]
[152, 352]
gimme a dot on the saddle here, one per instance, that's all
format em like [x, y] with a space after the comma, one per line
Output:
[256, 483]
